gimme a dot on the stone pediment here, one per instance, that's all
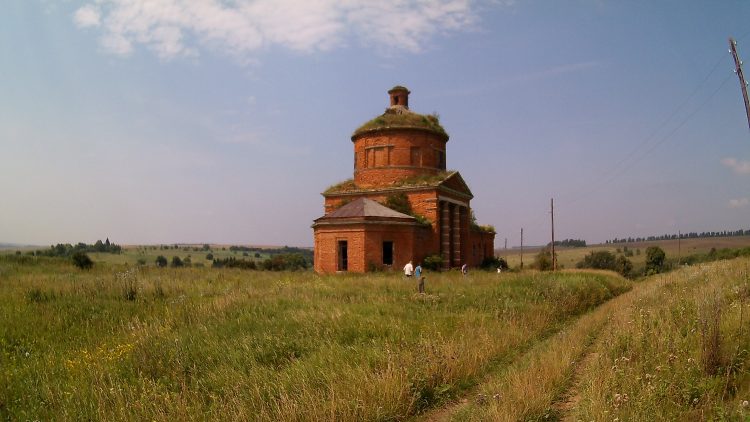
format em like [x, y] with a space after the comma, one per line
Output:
[456, 184]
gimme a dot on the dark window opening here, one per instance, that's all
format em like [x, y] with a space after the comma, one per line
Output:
[416, 157]
[441, 160]
[343, 258]
[388, 253]
[395, 99]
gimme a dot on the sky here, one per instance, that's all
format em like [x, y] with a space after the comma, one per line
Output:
[221, 121]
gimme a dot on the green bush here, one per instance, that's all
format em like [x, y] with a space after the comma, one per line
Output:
[605, 260]
[655, 258]
[82, 261]
[493, 263]
[433, 263]
[543, 260]
[161, 261]
[176, 262]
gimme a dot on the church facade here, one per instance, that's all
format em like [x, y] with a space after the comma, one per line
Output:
[402, 204]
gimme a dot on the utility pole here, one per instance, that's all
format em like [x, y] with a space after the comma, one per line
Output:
[552, 212]
[740, 75]
[679, 249]
[521, 247]
[506, 243]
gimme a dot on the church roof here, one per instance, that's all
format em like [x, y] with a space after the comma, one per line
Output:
[364, 207]
[450, 180]
[400, 117]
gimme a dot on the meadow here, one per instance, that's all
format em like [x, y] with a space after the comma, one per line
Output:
[123, 342]
[674, 348]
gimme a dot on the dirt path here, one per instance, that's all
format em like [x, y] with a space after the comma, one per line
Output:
[593, 325]
[445, 413]
[570, 399]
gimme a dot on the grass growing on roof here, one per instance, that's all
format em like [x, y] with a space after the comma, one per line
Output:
[405, 120]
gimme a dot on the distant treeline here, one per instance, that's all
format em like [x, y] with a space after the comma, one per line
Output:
[691, 235]
[573, 243]
[66, 249]
[278, 262]
[273, 251]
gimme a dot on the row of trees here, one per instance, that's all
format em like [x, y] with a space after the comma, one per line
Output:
[572, 243]
[691, 235]
[280, 262]
[68, 250]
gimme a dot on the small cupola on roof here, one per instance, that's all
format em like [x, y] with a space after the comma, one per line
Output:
[399, 96]
[397, 145]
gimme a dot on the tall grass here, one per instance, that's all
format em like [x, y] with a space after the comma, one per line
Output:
[199, 343]
[676, 347]
[678, 354]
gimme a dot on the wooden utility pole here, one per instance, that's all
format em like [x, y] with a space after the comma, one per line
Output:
[521, 247]
[738, 71]
[679, 249]
[506, 243]
[552, 212]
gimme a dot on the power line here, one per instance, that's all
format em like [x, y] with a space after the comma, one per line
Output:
[620, 170]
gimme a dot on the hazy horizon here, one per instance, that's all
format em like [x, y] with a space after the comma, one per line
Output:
[170, 121]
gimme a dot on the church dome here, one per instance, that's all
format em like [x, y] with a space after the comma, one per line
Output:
[398, 116]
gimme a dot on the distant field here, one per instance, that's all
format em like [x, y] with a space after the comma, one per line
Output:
[132, 254]
[568, 257]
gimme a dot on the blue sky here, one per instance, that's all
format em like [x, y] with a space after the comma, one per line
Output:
[162, 121]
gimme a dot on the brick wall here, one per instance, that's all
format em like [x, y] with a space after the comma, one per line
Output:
[388, 156]
[365, 245]
[481, 245]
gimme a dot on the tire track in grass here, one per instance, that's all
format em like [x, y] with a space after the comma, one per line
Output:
[505, 365]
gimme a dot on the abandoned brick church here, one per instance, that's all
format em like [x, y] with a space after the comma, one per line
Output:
[402, 204]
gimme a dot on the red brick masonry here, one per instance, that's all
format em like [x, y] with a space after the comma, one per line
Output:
[400, 153]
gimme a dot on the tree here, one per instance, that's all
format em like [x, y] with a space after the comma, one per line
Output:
[605, 260]
[161, 261]
[624, 266]
[82, 261]
[543, 260]
[210, 256]
[655, 257]
[493, 263]
[176, 262]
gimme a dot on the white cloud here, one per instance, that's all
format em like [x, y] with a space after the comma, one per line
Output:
[739, 203]
[739, 167]
[173, 28]
[87, 16]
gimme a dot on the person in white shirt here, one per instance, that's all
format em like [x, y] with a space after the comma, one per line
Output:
[408, 269]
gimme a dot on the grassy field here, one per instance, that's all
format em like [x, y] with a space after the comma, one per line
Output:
[568, 257]
[122, 342]
[146, 254]
[675, 348]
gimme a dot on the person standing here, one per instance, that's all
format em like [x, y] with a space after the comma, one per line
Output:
[408, 269]
[420, 279]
